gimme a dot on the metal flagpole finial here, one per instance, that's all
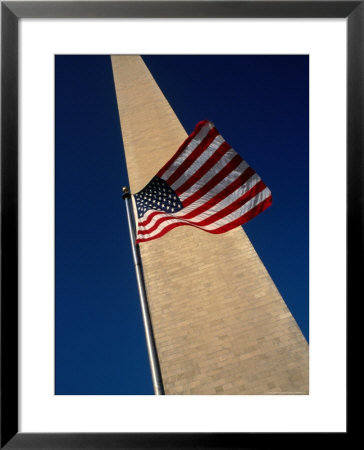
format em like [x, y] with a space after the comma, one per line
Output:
[126, 193]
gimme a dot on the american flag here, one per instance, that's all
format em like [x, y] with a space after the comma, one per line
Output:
[206, 184]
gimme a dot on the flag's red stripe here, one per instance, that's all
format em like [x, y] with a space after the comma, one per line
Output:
[239, 181]
[249, 172]
[220, 152]
[182, 147]
[215, 157]
[150, 217]
[163, 232]
[235, 205]
[213, 217]
[207, 205]
[230, 166]
[202, 146]
[227, 227]
[246, 217]
[215, 180]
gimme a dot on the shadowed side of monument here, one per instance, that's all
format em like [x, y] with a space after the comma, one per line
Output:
[220, 324]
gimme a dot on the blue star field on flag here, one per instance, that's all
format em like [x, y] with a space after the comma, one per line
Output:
[159, 196]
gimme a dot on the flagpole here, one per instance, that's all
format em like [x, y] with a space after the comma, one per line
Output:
[151, 347]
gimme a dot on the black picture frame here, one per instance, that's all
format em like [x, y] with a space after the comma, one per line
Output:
[11, 12]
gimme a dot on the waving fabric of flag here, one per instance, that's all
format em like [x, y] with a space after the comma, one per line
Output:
[206, 184]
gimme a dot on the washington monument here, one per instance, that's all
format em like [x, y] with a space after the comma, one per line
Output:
[220, 324]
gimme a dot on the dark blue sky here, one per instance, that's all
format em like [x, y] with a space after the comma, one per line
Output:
[260, 106]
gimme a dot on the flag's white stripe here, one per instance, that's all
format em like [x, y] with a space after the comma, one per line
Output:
[239, 192]
[210, 150]
[232, 176]
[200, 183]
[200, 136]
[215, 169]
[263, 195]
